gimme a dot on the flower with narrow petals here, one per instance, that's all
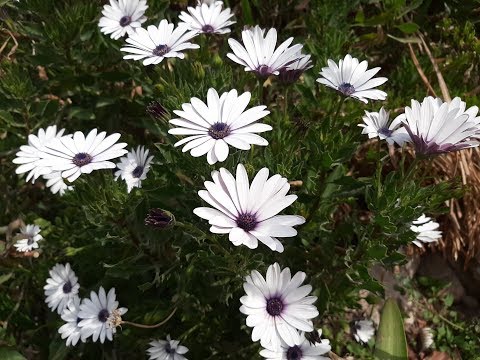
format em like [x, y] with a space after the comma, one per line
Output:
[100, 315]
[222, 121]
[352, 79]
[258, 52]
[62, 287]
[56, 184]
[377, 125]
[437, 127]
[29, 155]
[363, 331]
[30, 236]
[134, 167]
[248, 213]
[157, 43]
[122, 17]
[167, 350]
[278, 306]
[207, 19]
[426, 231]
[291, 73]
[70, 330]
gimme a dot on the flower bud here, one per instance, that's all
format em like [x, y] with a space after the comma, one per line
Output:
[159, 219]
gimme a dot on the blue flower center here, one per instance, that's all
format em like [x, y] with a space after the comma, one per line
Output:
[125, 21]
[208, 29]
[168, 349]
[385, 131]
[247, 222]
[30, 240]
[219, 130]
[137, 172]
[346, 89]
[274, 306]
[82, 159]
[294, 353]
[103, 315]
[67, 287]
[160, 50]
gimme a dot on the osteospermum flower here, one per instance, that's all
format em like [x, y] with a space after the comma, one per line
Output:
[82, 154]
[62, 287]
[258, 52]
[437, 127]
[134, 167]
[56, 184]
[426, 231]
[378, 125]
[156, 43]
[221, 122]
[363, 331]
[207, 19]
[291, 73]
[30, 237]
[278, 306]
[167, 350]
[352, 79]
[122, 16]
[248, 213]
[70, 330]
[100, 315]
[29, 155]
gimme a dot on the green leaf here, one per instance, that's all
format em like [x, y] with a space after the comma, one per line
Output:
[247, 12]
[408, 28]
[409, 40]
[391, 343]
[10, 354]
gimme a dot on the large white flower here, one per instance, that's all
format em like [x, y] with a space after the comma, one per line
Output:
[352, 79]
[426, 230]
[29, 155]
[82, 154]
[248, 213]
[100, 315]
[278, 306]
[56, 184]
[134, 167]
[167, 350]
[122, 16]
[70, 330]
[62, 287]
[207, 19]
[156, 43]
[363, 331]
[258, 52]
[437, 127]
[30, 237]
[221, 122]
[377, 125]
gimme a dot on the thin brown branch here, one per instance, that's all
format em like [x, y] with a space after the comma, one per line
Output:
[420, 71]
[441, 80]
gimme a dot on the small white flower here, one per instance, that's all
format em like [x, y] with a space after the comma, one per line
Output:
[292, 72]
[156, 43]
[209, 2]
[437, 127]
[100, 315]
[377, 125]
[258, 52]
[352, 79]
[134, 167]
[426, 338]
[30, 238]
[278, 306]
[70, 330]
[56, 184]
[207, 19]
[167, 350]
[29, 155]
[363, 331]
[122, 16]
[82, 155]
[62, 287]
[426, 231]
[221, 122]
[248, 213]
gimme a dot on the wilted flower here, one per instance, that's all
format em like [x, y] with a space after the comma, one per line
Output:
[377, 125]
[363, 331]
[292, 72]
[426, 338]
[426, 231]
[156, 110]
[159, 219]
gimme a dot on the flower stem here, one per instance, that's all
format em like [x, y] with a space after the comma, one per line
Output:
[143, 326]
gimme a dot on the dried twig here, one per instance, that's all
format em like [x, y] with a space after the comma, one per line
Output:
[420, 71]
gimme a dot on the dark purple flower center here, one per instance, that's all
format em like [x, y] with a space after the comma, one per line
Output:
[294, 353]
[137, 172]
[346, 89]
[385, 131]
[168, 349]
[79, 319]
[160, 50]
[208, 29]
[67, 287]
[30, 240]
[103, 315]
[125, 20]
[82, 159]
[247, 222]
[274, 306]
[219, 130]
[264, 70]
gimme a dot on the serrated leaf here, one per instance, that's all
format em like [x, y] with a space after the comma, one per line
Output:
[391, 343]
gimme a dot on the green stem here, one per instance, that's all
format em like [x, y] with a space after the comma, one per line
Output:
[285, 103]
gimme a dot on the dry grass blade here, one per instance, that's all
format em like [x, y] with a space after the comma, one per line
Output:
[420, 71]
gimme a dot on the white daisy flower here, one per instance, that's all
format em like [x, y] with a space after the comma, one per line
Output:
[29, 155]
[305, 350]
[437, 127]
[30, 238]
[134, 167]
[248, 213]
[352, 79]
[258, 52]
[56, 184]
[62, 287]
[222, 121]
[209, 2]
[70, 330]
[278, 306]
[156, 43]
[207, 19]
[377, 125]
[167, 350]
[122, 16]
[292, 72]
[82, 155]
[363, 331]
[100, 315]
[426, 230]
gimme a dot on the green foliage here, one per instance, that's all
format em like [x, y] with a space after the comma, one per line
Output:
[391, 343]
